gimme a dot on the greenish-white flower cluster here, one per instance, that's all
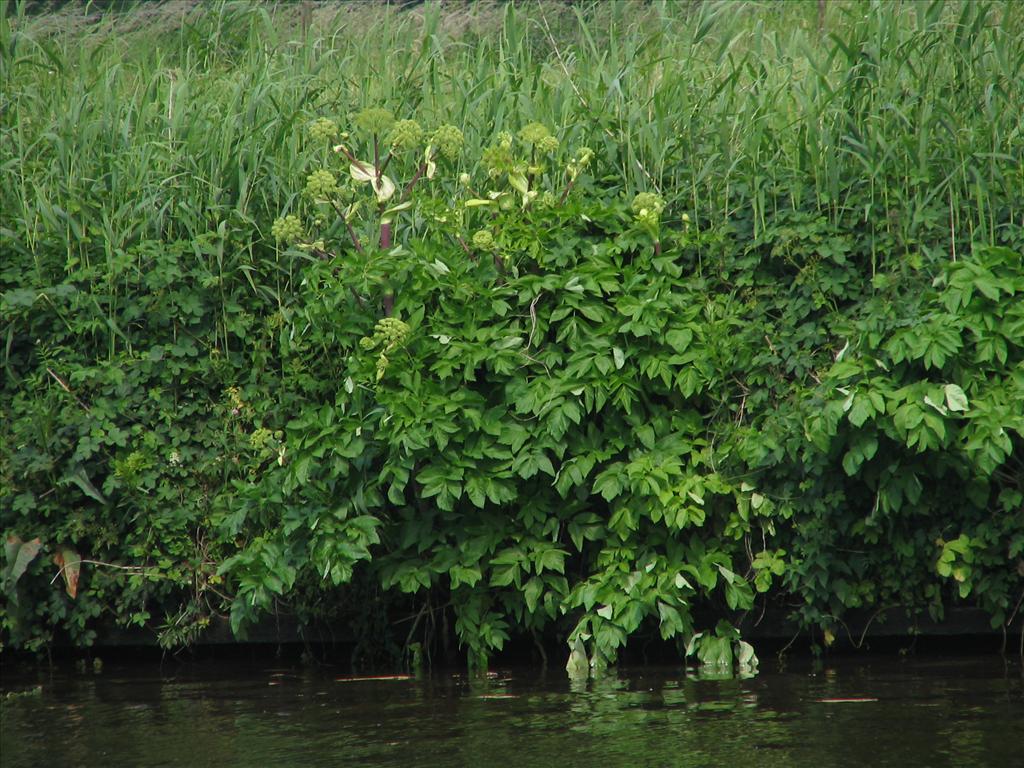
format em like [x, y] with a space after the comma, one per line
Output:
[323, 129]
[321, 184]
[500, 157]
[389, 333]
[374, 120]
[497, 159]
[538, 135]
[647, 208]
[449, 140]
[406, 134]
[287, 229]
[547, 200]
[483, 240]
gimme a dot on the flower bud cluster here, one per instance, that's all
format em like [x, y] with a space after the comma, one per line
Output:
[497, 159]
[287, 229]
[449, 140]
[538, 135]
[647, 208]
[321, 184]
[406, 134]
[374, 120]
[389, 333]
[547, 200]
[581, 161]
[322, 129]
[483, 240]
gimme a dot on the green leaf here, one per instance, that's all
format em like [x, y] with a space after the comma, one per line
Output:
[552, 560]
[24, 553]
[956, 399]
[81, 479]
[468, 575]
[518, 182]
[746, 656]
[679, 340]
[716, 651]
[531, 592]
[619, 356]
[861, 411]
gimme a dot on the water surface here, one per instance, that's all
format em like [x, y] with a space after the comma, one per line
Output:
[867, 712]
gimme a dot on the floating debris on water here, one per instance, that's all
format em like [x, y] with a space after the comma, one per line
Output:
[358, 679]
[845, 701]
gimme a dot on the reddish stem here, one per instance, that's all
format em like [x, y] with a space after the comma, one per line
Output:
[565, 193]
[351, 232]
[465, 247]
[419, 174]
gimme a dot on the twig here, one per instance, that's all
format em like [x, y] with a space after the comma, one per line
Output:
[384, 164]
[348, 226]
[139, 569]
[785, 648]
[419, 174]
[67, 389]
[565, 192]
[359, 299]
[533, 319]
[465, 247]
[357, 163]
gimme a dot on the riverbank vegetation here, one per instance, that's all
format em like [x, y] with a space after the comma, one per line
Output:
[453, 324]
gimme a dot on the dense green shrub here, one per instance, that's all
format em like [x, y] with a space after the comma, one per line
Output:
[551, 352]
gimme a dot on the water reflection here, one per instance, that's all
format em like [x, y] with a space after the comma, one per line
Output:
[965, 713]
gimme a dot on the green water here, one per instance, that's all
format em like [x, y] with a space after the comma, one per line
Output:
[927, 712]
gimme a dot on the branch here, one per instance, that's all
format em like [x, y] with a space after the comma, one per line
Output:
[136, 569]
[67, 389]
[419, 173]
[351, 232]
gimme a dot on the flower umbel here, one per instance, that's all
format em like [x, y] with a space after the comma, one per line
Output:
[389, 333]
[287, 229]
[448, 139]
[497, 159]
[323, 129]
[647, 208]
[406, 134]
[483, 240]
[374, 120]
[321, 184]
[534, 133]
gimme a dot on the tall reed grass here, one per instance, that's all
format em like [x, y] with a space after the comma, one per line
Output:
[115, 131]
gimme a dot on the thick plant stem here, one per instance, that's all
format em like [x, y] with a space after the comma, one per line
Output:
[419, 174]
